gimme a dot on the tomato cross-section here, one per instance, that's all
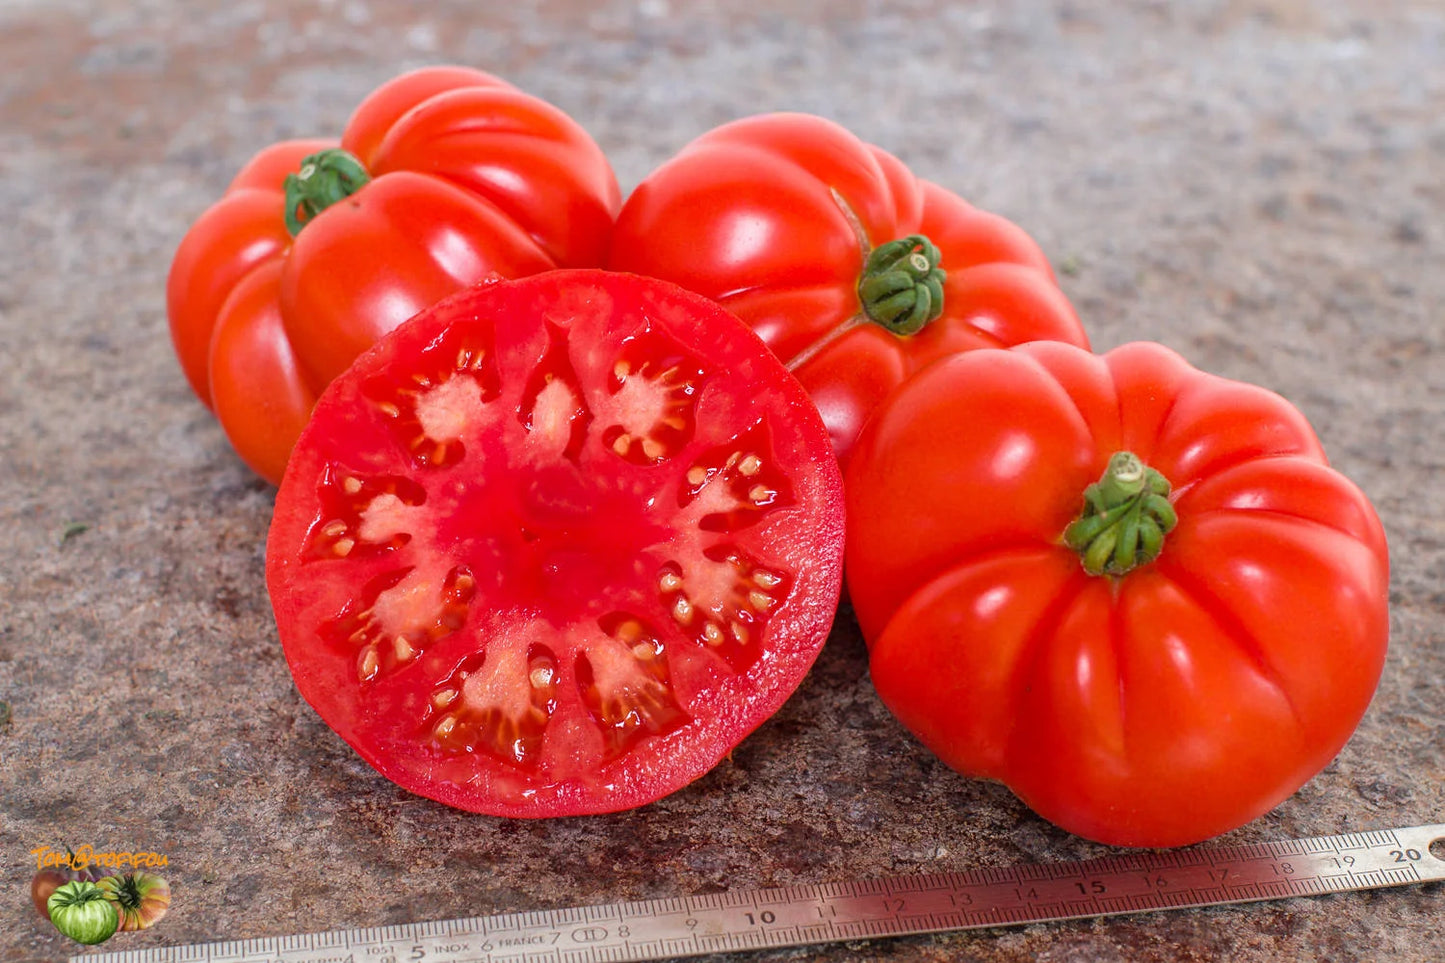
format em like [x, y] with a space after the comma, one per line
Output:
[555, 546]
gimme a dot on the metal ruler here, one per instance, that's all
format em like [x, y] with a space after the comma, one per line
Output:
[656, 929]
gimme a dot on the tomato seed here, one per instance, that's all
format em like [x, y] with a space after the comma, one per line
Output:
[632, 632]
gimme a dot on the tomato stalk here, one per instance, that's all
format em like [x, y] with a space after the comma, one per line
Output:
[1125, 517]
[326, 177]
[140, 898]
[902, 285]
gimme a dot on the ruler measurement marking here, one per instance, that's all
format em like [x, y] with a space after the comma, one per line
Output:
[856, 909]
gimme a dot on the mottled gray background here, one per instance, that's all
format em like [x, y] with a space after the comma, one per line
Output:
[1260, 185]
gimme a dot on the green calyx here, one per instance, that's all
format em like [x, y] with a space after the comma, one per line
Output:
[326, 177]
[1125, 518]
[902, 285]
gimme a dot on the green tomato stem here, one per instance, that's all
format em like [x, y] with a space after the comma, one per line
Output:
[902, 285]
[1125, 517]
[326, 177]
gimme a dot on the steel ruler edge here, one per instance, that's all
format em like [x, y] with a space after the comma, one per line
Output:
[1132, 882]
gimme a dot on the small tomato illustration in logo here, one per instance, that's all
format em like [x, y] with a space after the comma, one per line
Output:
[45, 882]
[51, 878]
[139, 898]
[80, 910]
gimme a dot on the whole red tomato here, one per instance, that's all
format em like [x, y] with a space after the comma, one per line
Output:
[855, 272]
[556, 545]
[443, 177]
[1134, 592]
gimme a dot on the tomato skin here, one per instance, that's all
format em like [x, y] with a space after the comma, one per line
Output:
[773, 217]
[471, 178]
[258, 390]
[80, 910]
[418, 469]
[536, 166]
[232, 238]
[1159, 707]
[402, 243]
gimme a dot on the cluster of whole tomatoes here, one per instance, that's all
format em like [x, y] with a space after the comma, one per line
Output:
[91, 906]
[571, 514]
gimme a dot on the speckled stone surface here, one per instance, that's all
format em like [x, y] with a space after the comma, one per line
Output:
[1260, 185]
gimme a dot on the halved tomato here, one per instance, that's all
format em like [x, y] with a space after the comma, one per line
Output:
[555, 546]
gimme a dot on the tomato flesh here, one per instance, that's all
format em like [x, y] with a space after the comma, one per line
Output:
[555, 546]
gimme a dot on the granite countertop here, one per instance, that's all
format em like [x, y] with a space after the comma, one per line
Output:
[1257, 184]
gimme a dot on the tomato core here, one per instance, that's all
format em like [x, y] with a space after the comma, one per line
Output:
[1125, 518]
[902, 285]
[553, 539]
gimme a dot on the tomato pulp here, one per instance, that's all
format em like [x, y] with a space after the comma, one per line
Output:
[556, 545]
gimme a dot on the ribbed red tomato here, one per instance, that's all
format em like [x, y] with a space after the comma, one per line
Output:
[1134, 592]
[854, 271]
[444, 176]
[556, 545]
